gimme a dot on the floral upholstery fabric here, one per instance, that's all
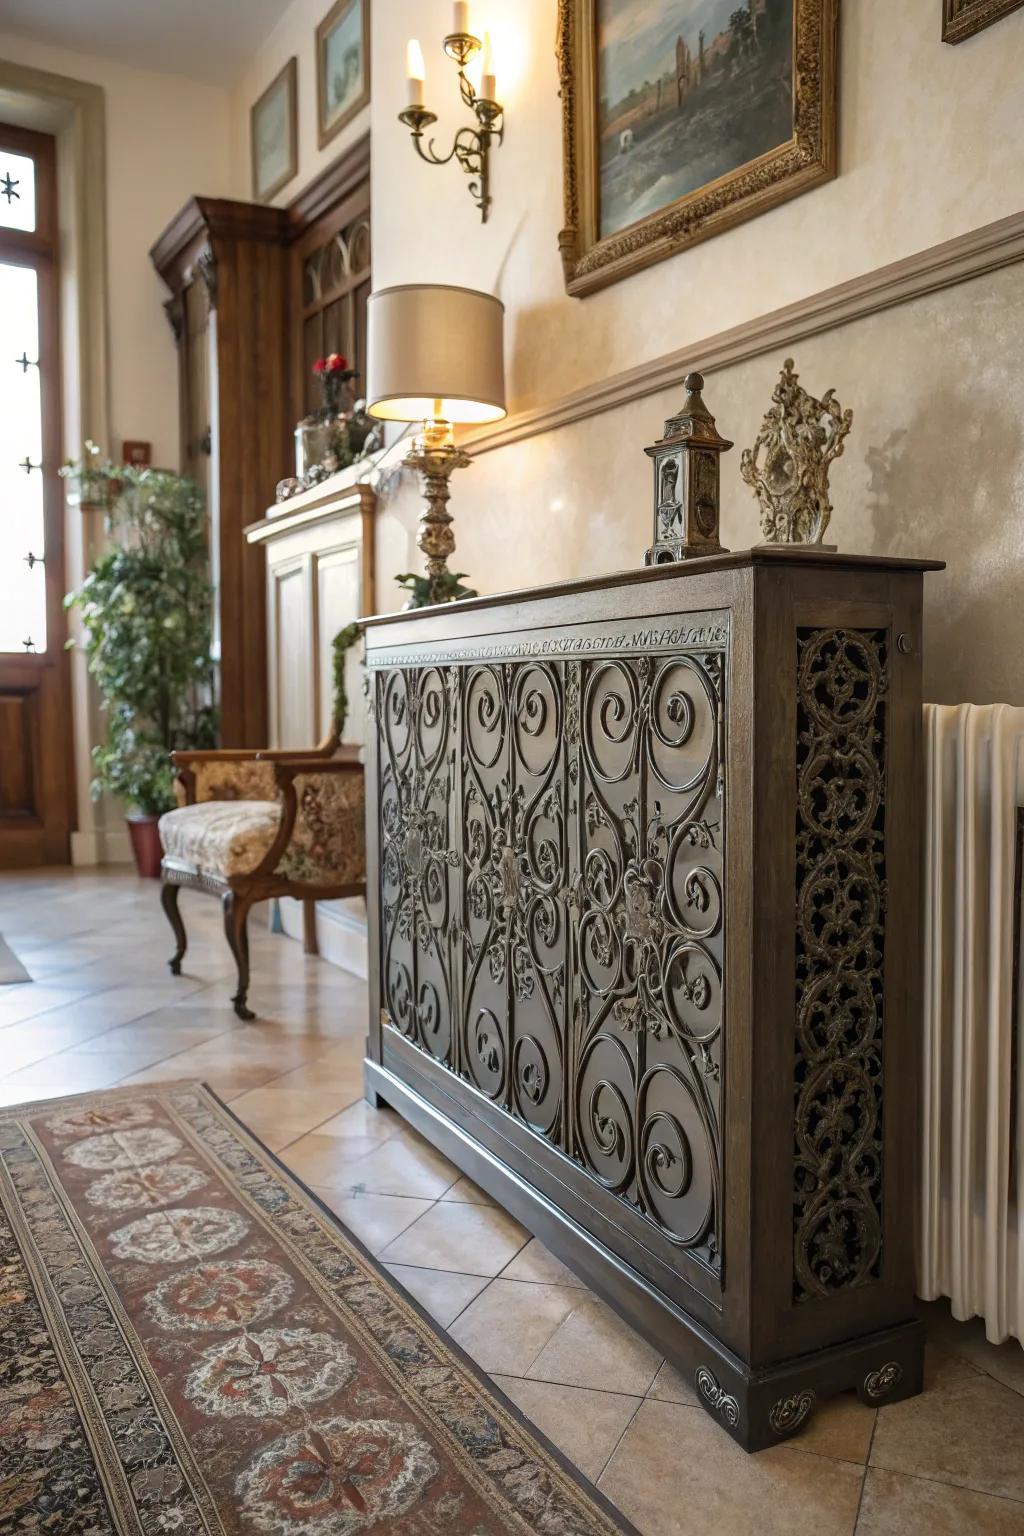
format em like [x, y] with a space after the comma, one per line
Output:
[328, 842]
[244, 780]
[221, 837]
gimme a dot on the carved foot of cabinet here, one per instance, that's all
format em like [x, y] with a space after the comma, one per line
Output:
[761, 1409]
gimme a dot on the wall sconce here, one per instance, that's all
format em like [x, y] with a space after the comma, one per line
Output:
[472, 146]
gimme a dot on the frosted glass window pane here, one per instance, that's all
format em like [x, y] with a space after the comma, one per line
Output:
[22, 583]
[17, 191]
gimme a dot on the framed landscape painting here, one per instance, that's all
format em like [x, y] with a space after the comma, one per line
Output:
[275, 135]
[342, 66]
[683, 117]
[962, 18]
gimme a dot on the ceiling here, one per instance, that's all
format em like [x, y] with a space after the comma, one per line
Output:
[209, 40]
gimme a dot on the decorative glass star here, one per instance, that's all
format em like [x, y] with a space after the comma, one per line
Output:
[7, 186]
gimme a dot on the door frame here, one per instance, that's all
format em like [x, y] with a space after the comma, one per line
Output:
[44, 838]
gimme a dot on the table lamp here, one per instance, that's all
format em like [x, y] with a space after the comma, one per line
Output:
[434, 354]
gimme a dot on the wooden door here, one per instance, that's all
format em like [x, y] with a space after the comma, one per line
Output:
[35, 724]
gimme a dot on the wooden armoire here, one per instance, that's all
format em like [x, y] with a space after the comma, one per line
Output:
[257, 293]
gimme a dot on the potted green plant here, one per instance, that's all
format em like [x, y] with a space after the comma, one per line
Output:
[146, 609]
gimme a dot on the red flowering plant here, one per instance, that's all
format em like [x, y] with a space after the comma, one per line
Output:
[334, 373]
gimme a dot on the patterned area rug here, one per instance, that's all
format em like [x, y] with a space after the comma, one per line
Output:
[190, 1344]
[11, 968]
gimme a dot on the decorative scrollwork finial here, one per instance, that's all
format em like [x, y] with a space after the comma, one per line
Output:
[800, 436]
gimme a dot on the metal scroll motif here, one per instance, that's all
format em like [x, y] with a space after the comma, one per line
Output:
[646, 1063]
[716, 1397]
[418, 855]
[883, 1381]
[552, 858]
[842, 688]
[789, 1413]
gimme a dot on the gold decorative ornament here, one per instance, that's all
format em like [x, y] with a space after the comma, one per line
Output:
[799, 438]
[471, 147]
[686, 482]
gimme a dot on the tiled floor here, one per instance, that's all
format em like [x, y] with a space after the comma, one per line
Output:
[103, 1010]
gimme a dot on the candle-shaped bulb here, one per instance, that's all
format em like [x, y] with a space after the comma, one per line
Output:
[415, 73]
[488, 83]
[461, 23]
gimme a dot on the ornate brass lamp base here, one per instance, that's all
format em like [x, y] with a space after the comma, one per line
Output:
[434, 456]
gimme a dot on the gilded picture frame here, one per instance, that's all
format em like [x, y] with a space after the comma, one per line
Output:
[274, 134]
[339, 101]
[592, 258]
[961, 19]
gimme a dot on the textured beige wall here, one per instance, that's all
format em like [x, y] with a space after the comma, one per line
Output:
[929, 148]
[934, 466]
[294, 34]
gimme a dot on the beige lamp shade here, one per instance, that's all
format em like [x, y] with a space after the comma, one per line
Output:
[435, 353]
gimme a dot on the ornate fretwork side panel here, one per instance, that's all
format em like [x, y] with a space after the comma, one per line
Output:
[417, 715]
[647, 1039]
[842, 691]
[514, 910]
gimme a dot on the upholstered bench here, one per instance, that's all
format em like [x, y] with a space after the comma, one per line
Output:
[253, 826]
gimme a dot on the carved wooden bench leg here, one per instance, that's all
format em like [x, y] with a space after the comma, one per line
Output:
[169, 894]
[236, 913]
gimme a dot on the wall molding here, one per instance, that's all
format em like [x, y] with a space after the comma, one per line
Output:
[983, 250]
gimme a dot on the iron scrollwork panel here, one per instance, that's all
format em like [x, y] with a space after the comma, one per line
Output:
[515, 915]
[647, 1040]
[417, 714]
[552, 905]
[842, 693]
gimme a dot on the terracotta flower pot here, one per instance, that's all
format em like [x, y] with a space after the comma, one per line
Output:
[144, 832]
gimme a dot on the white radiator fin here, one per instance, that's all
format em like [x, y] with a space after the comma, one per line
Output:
[970, 1224]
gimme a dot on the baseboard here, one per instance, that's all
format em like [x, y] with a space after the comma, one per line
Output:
[98, 847]
[340, 931]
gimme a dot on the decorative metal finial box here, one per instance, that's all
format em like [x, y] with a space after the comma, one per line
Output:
[686, 482]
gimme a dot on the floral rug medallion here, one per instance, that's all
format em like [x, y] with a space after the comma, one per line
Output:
[191, 1344]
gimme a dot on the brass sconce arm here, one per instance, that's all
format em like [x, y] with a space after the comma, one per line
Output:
[471, 147]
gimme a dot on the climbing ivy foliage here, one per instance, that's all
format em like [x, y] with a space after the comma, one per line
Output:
[147, 613]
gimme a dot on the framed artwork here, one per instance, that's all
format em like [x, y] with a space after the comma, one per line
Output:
[342, 66]
[962, 18]
[683, 117]
[274, 129]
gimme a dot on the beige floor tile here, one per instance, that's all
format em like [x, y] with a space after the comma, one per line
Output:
[375, 1219]
[160, 1036]
[31, 999]
[535, 1263]
[907, 1506]
[347, 1082]
[440, 1292]
[942, 1369]
[327, 1161]
[509, 1323]
[967, 1341]
[970, 1434]
[585, 1425]
[303, 1108]
[594, 1348]
[677, 1473]
[671, 1386]
[840, 1427]
[79, 1071]
[361, 1122]
[469, 1239]
[402, 1165]
[467, 1193]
